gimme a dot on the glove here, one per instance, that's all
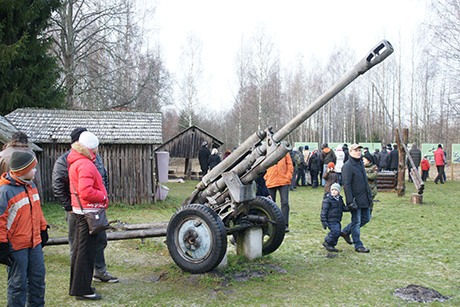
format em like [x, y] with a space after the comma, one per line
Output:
[44, 236]
[5, 255]
[324, 225]
[353, 206]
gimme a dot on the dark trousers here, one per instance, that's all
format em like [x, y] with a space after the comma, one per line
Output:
[440, 169]
[300, 177]
[334, 233]
[424, 175]
[294, 176]
[99, 262]
[82, 264]
[314, 179]
[26, 277]
[284, 195]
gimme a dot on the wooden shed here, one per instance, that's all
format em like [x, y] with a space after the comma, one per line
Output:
[186, 145]
[127, 143]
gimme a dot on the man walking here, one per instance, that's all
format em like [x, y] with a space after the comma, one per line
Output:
[358, 197]
[440, 160]
[203, 155]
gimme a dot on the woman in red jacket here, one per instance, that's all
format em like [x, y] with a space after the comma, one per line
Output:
[85, 183]
[440, 160]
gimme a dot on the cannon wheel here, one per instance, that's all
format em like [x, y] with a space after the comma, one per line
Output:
[196, 238]
[272, 233]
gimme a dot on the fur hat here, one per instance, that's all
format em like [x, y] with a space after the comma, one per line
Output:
[335, 186]
[22, 162]
[88, 140]
[75, 134]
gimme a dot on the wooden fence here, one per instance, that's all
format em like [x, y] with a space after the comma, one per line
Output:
[130, 169]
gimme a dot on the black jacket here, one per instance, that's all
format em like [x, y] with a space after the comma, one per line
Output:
[203, 155]
[416, 156]
[332, 208]
[394, 159]
[314, 164]
[355, 183]
[384, 160]
[213, 160]
[60, 181]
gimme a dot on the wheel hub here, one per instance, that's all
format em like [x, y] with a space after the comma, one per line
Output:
[190, 240]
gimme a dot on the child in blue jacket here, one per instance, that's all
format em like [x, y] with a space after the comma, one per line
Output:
[331, 216]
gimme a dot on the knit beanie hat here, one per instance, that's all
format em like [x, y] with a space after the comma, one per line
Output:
[331, 164]
[22, 162]
[75, 134]
[88, 140]
[335, 186]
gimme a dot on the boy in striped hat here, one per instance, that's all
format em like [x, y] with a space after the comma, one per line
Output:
[23, 232]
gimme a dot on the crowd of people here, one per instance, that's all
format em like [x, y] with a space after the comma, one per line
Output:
[80, 183]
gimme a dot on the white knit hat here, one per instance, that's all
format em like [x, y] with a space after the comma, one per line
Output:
[88, 139]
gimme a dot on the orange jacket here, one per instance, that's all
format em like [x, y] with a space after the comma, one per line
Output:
[21, 218]
[280, 174]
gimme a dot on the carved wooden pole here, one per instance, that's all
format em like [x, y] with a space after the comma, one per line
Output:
[401, 188]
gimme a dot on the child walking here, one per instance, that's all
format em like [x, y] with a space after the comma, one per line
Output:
[23, 232]
[331, 216]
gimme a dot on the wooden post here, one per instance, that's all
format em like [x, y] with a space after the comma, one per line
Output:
[401, 188]
[452, 170]
[188, 169]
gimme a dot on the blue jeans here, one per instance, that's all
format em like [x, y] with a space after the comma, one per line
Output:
[359, 218]
[26, 277]
[323, 182]
[284, 195]
[333, 234]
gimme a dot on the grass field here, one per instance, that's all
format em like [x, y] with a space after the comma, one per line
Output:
[410, 244]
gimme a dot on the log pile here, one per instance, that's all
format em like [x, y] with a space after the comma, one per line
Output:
[387, 180]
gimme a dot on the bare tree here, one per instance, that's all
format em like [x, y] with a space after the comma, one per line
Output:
[191, 78]
[105, 63]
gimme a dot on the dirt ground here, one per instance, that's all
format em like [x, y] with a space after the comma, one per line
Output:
[419, 294]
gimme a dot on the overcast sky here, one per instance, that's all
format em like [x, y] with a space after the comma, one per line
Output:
[310, 28]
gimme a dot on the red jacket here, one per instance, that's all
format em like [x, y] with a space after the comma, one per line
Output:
[425, 165]
[439, 156]
[21, 218]
[280, 174]
[84, 176]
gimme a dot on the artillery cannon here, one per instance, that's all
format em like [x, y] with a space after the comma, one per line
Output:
[225, 201]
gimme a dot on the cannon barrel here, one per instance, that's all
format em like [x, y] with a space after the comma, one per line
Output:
[253, 157]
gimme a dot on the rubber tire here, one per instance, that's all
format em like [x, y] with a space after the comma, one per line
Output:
[214, 228]
[273, 234]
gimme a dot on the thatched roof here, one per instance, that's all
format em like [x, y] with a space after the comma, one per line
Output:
[111, 127]
[7, 129]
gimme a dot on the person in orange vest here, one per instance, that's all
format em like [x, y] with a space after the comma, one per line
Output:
[278, 178]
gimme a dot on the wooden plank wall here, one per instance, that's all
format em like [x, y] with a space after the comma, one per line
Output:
[130, 168]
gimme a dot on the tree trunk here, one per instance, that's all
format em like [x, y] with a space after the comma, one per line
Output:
[401, 188]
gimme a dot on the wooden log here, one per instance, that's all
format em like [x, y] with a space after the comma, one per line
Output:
[416, 199]
[118, 235]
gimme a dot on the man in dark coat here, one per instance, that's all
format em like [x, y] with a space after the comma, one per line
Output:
[394, 159]
[358, 197]
[314, 166]
[203, 155]
[384, 159]
[416, 156]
